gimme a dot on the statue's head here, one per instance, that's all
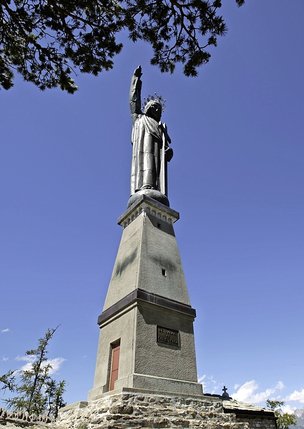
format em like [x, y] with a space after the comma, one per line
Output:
[154, 110]
[154, 106]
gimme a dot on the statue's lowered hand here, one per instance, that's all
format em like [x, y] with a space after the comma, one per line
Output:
[138, 71]
[169, 154]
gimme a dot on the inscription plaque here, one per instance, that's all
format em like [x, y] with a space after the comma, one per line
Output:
[168, 336]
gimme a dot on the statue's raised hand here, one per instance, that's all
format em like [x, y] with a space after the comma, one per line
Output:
[138, 71]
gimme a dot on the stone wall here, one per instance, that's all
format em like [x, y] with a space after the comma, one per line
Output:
[12, 420]
[15, 423]
[131, 410]
[147, 411]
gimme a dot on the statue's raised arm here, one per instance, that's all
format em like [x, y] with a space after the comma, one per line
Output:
[135, 93]
[150, 142]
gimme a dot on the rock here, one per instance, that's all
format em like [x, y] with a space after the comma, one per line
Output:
[121, 409]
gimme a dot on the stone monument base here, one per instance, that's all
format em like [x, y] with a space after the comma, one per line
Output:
[146, 410]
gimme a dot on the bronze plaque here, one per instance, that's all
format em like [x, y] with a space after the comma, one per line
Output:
[168, 336]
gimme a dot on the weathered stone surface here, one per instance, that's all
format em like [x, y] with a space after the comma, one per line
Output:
[121, 409]
[147, 411]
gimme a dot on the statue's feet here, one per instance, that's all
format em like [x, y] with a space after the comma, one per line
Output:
[149, 192]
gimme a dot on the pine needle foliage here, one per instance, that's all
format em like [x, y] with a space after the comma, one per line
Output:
[7, 381]
[36, 392]
[47, 41]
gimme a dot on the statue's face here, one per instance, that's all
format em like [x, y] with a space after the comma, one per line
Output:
[154, 110]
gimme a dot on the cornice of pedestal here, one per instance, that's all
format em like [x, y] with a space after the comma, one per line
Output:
[146, 205]
[140, 295]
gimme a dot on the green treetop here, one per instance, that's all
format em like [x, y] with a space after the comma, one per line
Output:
[47, 41]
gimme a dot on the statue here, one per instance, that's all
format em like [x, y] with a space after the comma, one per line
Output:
[150, 141]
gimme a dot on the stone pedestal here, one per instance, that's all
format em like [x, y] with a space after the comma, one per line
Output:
[146, 370]
[147, 312]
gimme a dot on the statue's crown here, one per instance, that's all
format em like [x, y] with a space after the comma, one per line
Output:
[154, 99]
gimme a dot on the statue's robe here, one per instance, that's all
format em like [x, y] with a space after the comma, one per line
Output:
[147, 156]
[150, 142]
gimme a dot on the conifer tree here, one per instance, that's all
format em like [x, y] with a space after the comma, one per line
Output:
[48, 41]
[54, 392]
[36, 392]
[7, 381]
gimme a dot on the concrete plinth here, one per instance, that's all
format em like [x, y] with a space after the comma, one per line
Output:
[147, 310]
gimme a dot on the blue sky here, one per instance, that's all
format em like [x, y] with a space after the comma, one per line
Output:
[236, 178]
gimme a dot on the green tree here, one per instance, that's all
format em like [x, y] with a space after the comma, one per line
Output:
[46, 41]
[8, 381]
[284, 420]
[36, 392]
[54, 392]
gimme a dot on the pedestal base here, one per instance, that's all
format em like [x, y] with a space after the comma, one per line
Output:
[132, 408]
[147, 319]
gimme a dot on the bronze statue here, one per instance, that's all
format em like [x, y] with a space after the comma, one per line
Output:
[150, 142]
